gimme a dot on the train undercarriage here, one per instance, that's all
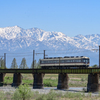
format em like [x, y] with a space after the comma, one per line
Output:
[64, 67]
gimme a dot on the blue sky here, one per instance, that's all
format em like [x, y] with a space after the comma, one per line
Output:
[71, 17]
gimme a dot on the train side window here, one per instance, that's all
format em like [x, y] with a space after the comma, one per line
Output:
[41, 62]
[79, 60]
[71, 61]
[55, 61]
[51, 61]
[45, 61]
[76, 60]
[68, 60]
[62, 61]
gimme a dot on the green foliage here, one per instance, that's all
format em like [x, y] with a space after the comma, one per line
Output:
[22, 93]
[73, 95]
[8, 95]
[2, 96]
[14, 64]
[50, 96]
[8, 80]
[82, 79]
[2, 64]
[27, 81]
[50, 82]
[36, 64]
[23, 64]
[94, 66]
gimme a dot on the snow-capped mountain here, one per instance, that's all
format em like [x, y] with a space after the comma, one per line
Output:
[19, 39]
[16, 37]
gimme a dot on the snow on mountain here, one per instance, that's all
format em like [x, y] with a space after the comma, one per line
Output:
[16, 37]
[87, 42]
[19, 39]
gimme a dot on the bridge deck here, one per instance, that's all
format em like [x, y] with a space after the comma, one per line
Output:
[52, 71]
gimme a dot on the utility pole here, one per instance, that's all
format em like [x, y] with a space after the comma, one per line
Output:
[4, 60]
[44, 54]
[33, 57]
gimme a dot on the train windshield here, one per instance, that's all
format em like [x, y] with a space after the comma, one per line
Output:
[86, 60]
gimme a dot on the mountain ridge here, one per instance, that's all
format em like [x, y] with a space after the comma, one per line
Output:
[18, 39]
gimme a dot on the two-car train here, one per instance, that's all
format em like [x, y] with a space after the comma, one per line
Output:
[66, 62]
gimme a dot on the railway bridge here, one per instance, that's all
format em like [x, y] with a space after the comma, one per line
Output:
[38, 74]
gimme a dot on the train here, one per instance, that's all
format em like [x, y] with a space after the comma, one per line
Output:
[67, 62]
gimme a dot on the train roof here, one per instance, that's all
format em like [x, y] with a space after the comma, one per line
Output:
[66, 57]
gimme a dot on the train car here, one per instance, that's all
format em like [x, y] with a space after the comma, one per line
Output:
[66, 62]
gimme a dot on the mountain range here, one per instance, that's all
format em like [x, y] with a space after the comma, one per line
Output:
[15, 40]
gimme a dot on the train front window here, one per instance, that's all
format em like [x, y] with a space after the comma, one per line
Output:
[85, 60]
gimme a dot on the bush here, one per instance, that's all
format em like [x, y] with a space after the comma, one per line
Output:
[22, 93]
[50, 96]
[2, 95]
[82, 79]
[73, 95]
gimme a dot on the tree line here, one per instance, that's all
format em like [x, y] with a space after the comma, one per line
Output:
[23, 64]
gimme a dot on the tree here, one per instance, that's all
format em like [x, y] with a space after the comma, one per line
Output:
[23, 64]
[2, 64]
[38, 64]
[14, 64]
[95, 66]
[34, 64]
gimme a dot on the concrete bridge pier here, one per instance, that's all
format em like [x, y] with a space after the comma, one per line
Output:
[2, 75]
[93, 83]
[17, 79]
[38, 81]
[62, 81]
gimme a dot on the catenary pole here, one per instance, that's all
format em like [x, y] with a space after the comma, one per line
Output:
[44, 54]
[33, 57]
[4, 60]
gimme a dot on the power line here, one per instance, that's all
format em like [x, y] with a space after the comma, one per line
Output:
[54, 51]
[19, 53]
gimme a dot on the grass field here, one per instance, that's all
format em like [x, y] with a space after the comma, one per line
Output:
[51, 80]
[52, 95]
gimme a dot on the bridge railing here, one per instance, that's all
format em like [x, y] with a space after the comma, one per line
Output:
[52, 71]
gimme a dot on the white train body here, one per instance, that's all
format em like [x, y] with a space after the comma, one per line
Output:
[66, 62]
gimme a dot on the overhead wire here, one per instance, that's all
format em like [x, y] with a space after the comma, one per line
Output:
[19, 53]
[48, 52]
